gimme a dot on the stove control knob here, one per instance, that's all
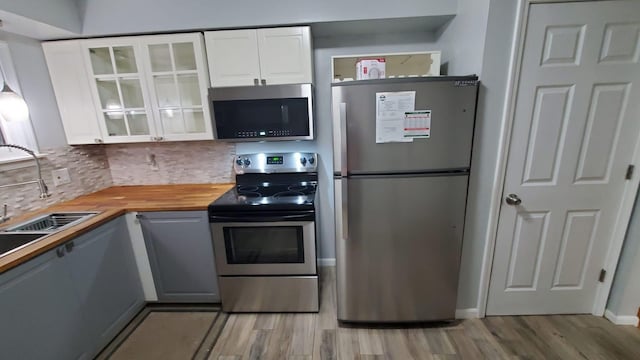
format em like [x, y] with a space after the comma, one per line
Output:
[239, 162]
[303, 161]
[247, 162]
[311, 161]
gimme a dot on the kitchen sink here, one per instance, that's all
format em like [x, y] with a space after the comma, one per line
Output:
[18, 236]
[10, 242]
[51, 222]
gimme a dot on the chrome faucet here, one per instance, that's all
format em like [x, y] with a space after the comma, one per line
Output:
[44, 190]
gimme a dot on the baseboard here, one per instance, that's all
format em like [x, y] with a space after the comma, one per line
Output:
[621, 320]
[467, 313]
[327, 262]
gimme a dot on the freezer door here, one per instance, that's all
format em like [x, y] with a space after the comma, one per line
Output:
[452, 121]
[398, 257]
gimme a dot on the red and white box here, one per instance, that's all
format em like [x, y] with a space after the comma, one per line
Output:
[370, 68]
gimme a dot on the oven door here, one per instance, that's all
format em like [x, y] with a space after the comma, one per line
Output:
[265, 248]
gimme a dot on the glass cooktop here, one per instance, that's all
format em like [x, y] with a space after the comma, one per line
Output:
[298, 196]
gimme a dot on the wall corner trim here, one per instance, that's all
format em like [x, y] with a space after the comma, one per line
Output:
[471, 313]
[322, 262]
[620, 320]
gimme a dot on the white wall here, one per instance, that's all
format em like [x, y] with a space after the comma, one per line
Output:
[492, 94]
[624, 299]
[463, 38]
[125, 16]
[62, 14]
[33, 75]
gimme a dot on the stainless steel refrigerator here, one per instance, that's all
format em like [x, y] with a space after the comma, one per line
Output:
[400, 206]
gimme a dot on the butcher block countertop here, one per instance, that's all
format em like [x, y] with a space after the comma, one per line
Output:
[111, 203]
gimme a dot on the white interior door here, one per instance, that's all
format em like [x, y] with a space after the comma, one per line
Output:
[575, 130]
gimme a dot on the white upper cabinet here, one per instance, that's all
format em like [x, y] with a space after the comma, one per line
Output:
[123, 107]
[131, 89]
[73, 91]
[178, 83]
[233, 57]
[285, 55]
[260, 57]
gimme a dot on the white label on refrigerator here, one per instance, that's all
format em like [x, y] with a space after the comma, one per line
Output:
[390, 115]
[417, 124]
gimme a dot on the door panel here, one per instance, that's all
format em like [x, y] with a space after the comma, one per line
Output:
[574, 133]
[411, 229]
[104, 272]
[528, 238]
[452, 122]
[294, 68]
[181, 255]
[233, 57]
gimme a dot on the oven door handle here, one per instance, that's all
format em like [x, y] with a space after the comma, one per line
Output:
[269, 218]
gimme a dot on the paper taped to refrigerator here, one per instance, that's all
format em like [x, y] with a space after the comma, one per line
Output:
[417, 124]
[390, 115]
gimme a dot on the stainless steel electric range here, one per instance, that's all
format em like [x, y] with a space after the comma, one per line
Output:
[264, 234]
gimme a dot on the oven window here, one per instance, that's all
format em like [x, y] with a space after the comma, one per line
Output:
[264, 245]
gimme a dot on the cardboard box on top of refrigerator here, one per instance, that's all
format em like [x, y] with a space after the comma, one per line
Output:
[370, 68]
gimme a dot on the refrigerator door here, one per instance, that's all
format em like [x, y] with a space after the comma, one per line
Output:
[398, 260]
[452, 104]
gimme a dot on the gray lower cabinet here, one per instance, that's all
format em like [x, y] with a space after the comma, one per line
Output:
[106, 279]
[39, 317]
[70, 302]
[181, 255]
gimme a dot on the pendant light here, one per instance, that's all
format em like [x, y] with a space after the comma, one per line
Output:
[12, 106]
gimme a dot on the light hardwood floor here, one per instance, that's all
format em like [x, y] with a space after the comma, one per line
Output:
[319, 336]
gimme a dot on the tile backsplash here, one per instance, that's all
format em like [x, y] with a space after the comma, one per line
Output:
[95, 167]
[171, 162]
[88, 171]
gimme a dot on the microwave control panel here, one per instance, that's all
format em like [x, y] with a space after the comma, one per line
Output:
[263, 133]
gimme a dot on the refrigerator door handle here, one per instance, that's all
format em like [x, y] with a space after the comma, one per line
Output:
[345, 208]
[343, 139]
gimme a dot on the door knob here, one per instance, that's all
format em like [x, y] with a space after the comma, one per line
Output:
[513, 199]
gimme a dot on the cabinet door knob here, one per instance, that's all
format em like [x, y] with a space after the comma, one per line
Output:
[256, 82]
[263, 81]
[69, 246]
[98, 141]
[139, 216]
[60, 252]
[160, 138]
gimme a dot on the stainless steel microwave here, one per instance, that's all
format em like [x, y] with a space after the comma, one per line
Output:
[261, 113]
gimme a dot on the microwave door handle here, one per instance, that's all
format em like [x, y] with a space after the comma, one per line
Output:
[344, 170]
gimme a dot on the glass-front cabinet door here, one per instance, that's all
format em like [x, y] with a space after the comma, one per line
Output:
[117, 74]
[150, 88]
[177, 81]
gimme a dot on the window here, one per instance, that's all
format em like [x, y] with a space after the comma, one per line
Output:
[15, 132]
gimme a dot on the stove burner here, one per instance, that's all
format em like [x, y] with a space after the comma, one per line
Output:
[248, 191]
[247, 188]
[288, 193]
[297, 188]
